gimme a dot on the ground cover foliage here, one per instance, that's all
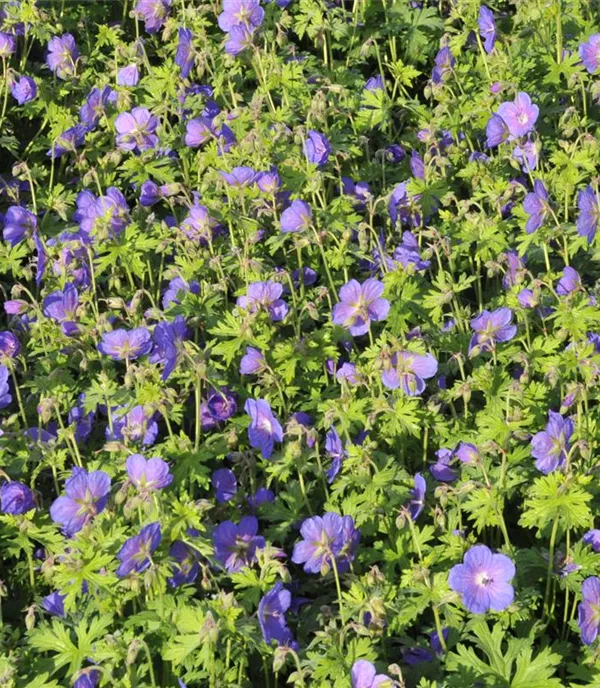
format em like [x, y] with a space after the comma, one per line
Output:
[300, 343]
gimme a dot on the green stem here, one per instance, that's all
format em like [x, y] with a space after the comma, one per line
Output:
[338, 588]
[550, 565]
[149, 660]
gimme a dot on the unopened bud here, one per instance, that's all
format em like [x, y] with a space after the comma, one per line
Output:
[30, 618]
[132, 651]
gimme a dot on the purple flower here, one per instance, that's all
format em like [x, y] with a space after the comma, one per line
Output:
[186, 567]
[239, 177]
[444, 62]
[136, 130]
[417, 497]
[18, 224]
[95, 105]
[375, 83]
[589, 610]
[124, 344]
[150, 194]
[569, 282]
[325, 539]
[519, 116]
[5, 396]
[176, 291]
[262, 496]
[589, 53]
[487, 28]
[136, 553]
[246, 12]
[54, 604]
[336, 452]
[347, 373]
[271, 616]
[10, 346]
[235, 546]
[42, 258]
[224, 484]
[359, 305]
[264, 295]
[496, 131]
[83, 421]
[408, 253]
[592, 537]
[296, 217]
[62, 306]
[198, 131]
[239, 39]
[220, 406]
[106, 215]
[89, 678]
[514, 270]
[264, 429]
[527, 154]
[589, 213]
[364, 675]
[491, 328]
[403, 207]
[148, 475]
[199, 225]
[317, 148]
[135, 426]
[252, 362]
[68, 141]
[16, 498]
[8, 45]
[441, 468]
[537, 206]
[24, 90]
[16, 306]
[395, 153]
[477, 156]
[85, 496]
[153, 12]
[551, 446]
[467, 453]
[184, 58]
[128, 76]
[409, 371]
[417, 655]
[269, 182]
[417, 166]
[483, 580]
[168, 343]
[62, 56]
[360, 191]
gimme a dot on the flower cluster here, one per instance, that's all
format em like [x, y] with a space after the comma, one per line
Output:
[300, 348]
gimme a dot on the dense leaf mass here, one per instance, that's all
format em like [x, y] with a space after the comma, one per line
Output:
[300, 343]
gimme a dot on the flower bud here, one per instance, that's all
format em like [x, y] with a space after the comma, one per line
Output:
[279, 658]
[30, 618]
[132, 651]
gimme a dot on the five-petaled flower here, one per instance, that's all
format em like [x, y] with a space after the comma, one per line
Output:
[235, 546]
[359, 305]
[551, 447]
[483, 580]
[136, 554]
[264, 429]
[490, 329]
[85, 496]
[409, 371]
[589, 610]
[326, 541]
[271, 616]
